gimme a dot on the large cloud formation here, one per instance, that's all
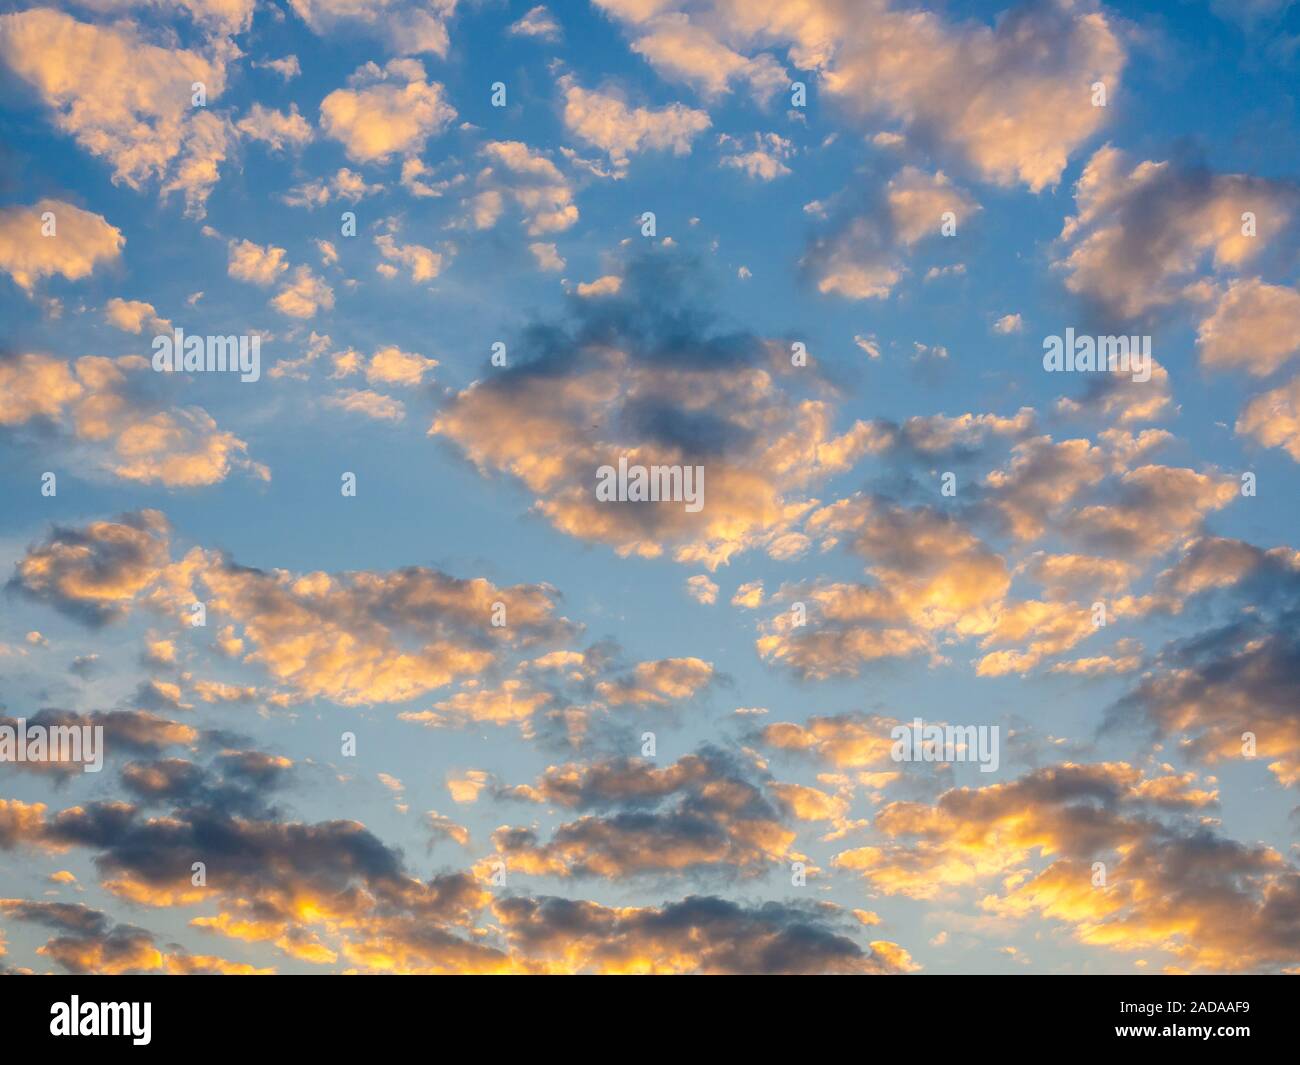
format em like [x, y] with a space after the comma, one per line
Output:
[643, 374]
[125, 99]
[356, 637]
[1012, 101]
[104, 410]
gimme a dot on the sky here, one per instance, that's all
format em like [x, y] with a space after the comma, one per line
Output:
[386, 684]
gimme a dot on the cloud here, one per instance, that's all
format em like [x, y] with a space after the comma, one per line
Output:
[682, 50]
[408, 28]
[304, 295]
[129, 731]
[658, 682]
[356, 637]
[537, 22]
[1254, 327]
[535, 184]
[699, 813]
[861, 257]
[344, 185]
[1114, 396]
[606, 121]
[287, 67]
[96, 573]
[931, 575]
[547, 256]
[102, 410]
[80, 242]
[702, 590]
[1273, 418]
[608, 285]
[1142, 231]
[699, 934]
[650, 378]
[275, 128]
[35, 386]
[125, 100]
[765, 161]
[424, 264]
[131, 316]
[1216, 689]
[370, 404]
[1154, 508]
[1173, 884]
[387, 111]
[1011, 101]
[392, 366]
[252, 262]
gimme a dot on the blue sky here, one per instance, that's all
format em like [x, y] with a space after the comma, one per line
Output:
[774, 224]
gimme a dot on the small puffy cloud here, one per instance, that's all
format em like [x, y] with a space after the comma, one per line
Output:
[344, 185]
[96, 572]
[847, 741]
[868, 344]
[512, 702]
[749, 595]
[1273, 418]
[251, 262]
[424, 264]
[286, 67]
[392, 366]
[275, 128]
[762, 158]
[304, 295]
[537, 22]
[465, 787]
[531, 180]
[413, 180]
[81, 240]
[131, 316]
[370, 404]
[548, 258]
[387, 111]
[1009, 323]
[442, 827]
[658, 683]
[682, 50]
[602, 286]
[1115, 397]
[1254, 326]
[701, 589]
[606, 121]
